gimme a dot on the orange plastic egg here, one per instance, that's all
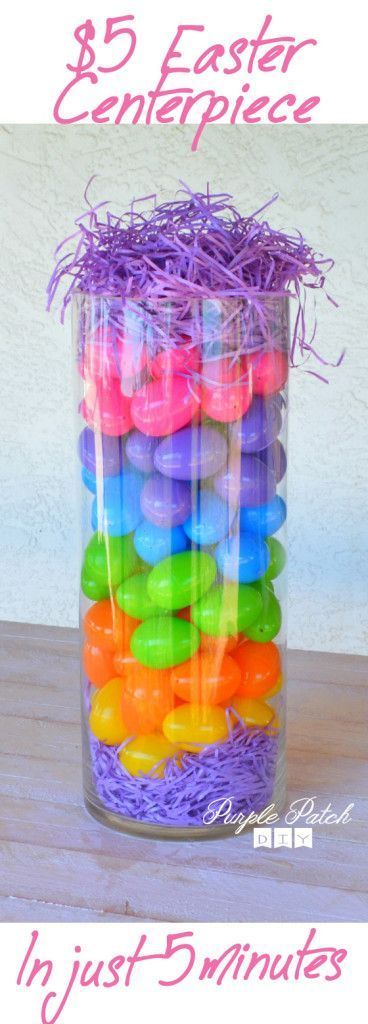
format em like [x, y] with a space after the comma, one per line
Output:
[260, 667]
[144, 753]
[106, 719]
[147, 696]
[218, 645]
[193, 726]
[276, 688]
[98, 664]
[254, 713]
[106, 626]
[206, 679]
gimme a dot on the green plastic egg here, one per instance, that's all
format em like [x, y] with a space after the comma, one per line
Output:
[110, 559]
[181, 579]
[227, 610]
[93, 588]
[277, 558]
[132, 596]
[164, 641]
[268, 623]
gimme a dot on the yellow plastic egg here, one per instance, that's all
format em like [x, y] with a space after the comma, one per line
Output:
[192, 726]
[105, 720]
[276, 688]
[145, 752]
[255, 713]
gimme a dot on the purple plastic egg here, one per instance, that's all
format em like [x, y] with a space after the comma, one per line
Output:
[140, 450]
[191, 453]
[260, 426]
[248, 481]
[100, 453]
[275, 458]
[166, 502]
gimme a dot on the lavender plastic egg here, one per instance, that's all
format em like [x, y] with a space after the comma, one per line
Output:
[140, 450]
[275, 458]
[243, 557]
[248, 481]
[166, 502]
[259, 426]
[191, 453]
[101, 451]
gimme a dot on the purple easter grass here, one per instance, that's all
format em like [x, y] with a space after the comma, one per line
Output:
[241, 768]
[198, 246]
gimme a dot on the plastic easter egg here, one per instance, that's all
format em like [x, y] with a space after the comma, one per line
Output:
[277, 558]
[110, 559]
[210, 519]
[93, 588]
[132, 596]
[274, 458]
[183, 359]
[106, 720]
[106, 409]
[264, 519]
[165, 405]
[154, 543]
[226, 390]
[260, 667]
[269, 372]
[260, 426]
[226, 610]
[182, 579]
[147, 754]
[100, 453]
[193, 726]
[206, 679]
[123, 657]
[276, 689]
[89, 480]
[191, 453]
[98, 664]
[244, 557]
[218, 646]
[246, 481]
[255, 713]
[166, 502]
[146, 698]
[119, 511]
[140, 450]
[108, 353]
[164, 641]
[268, 624]
[103, 625]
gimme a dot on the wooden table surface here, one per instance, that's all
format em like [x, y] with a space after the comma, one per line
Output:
[58, 864]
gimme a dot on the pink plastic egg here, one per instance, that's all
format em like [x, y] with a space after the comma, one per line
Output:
[164, 406]
[226, 391]
[182, 359]
[109, 354]
[269, 372]
[105, 408]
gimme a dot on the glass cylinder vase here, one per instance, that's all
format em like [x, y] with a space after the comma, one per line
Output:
[182, 447]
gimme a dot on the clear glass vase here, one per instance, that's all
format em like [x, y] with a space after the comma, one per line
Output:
[182, 446]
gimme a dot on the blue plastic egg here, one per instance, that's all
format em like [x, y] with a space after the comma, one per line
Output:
[153, 543]
[120, 510]
[89, 480]
[243, 558]
[210, 519]
[264, 519]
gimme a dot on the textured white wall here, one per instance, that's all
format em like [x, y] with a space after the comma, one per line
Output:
[321, 174]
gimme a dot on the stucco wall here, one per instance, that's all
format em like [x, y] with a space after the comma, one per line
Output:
[321, 174]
